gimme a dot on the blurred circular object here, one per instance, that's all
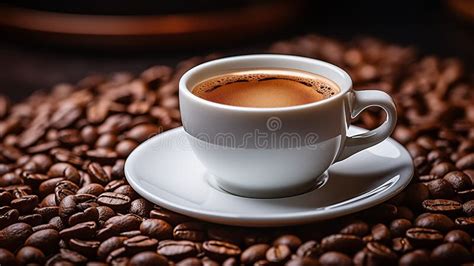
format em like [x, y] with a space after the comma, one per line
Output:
[206, 23]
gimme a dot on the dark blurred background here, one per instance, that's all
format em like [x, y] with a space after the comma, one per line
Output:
[33, 59]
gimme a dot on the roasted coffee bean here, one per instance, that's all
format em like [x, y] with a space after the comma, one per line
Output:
[448, 207]
[442, 169]
[398, 227]
[124, 223]
[57, 222]
[460, 237]
[148, 259]
[381, 253]
[466, 195]
[254, 253]
[309, 249]
[31, 219]
[415, 194]
[436, 221]
[335, 258]
[25, 204]
[292, 241]
[417, 257]
[401, 245]
[358, 228]
[125, 147]
[117, 254]
[380, 232]
[105, 213]
[114, 184]
[342, 243]
[156, 228]
[92, 189]
[98, 174]
[89, 214]
[169, 216]
[114, 200]
[84, 231]
[139, 244]
[424, 237]
[441, 189]
[14, 235]
[220, 250]
[230, 262]
[468, 208]
[44, 227]
[190, 262]
[177, 250]
[6, 257]
[127, 191]
[63, 189]
[73, 203]
[8, 216]
[140, 207]
[132, 233]
[278, 254]
[466, 162]
[71, 256]
[450, 254]
[30, 255]
[46, 240]
[458, 180]
[85, 247]
[110, 245]
[192, 231]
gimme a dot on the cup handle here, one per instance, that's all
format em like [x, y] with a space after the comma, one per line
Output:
[362, 100]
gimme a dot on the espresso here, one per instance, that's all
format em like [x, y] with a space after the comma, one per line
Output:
[266, 88]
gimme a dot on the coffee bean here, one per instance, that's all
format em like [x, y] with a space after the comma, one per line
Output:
[6, 257]
[25, 204]
[442, 169]
[292, 241]
[424, 237]
[139, 244]
[114, 200]
[110, 245]
[380, 233]
[124, 223]
[335, 258]
[125, 147]
[468, 208]
[466, 195]
[8, 216]
[439, 222]
[401, 245]
[466, 162]
[254, 253]
[358, 228]
[221, 250]
[83, 231]
[450, 254]
[440, 188]
[63, 189]
[97, 173]
[140, 207]
[190, 262]
[31, 219]
[458, 236]
[73, 203]
[14, 235]
[192, 231]
[148, 258]
[57, 222]
[309, 249]
[444, 206]
[381, 253]
[85, 247]
[415, 194]
[127, 191]
[398, 227]
[278, 254]
[417, 257]
[47, 212]
[225, 233]
[342, 243]
[177, 250]
[142, 132]
[46, 240]
[89, 214]
[30, 255]
[92, 189]
[458, 180]
[156, 228]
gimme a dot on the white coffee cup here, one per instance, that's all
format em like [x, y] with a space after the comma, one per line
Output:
[276, 152]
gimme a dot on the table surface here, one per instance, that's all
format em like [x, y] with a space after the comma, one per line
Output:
[430, 27]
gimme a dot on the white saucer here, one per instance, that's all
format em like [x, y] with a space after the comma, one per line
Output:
[165, 171]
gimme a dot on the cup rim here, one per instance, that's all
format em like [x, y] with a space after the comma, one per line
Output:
[186, 92]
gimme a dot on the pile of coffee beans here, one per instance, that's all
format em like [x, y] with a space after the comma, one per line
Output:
[64, 199]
